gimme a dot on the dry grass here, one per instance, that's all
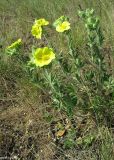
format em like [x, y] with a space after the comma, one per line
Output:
[23, 129]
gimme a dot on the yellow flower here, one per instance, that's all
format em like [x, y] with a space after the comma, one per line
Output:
[43, 56]
[37, 27]
[36, 31]
[41, 22]
[15, 44]
[63, 26]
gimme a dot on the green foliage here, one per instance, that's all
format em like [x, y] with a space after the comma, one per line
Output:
[87, 82]
[69, 141]
[85, 141]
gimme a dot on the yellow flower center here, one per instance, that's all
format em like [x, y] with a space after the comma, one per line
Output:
[63, 26]
[43, 56]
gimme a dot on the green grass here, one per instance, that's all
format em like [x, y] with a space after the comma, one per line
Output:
[21, 14]
[26, 119]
